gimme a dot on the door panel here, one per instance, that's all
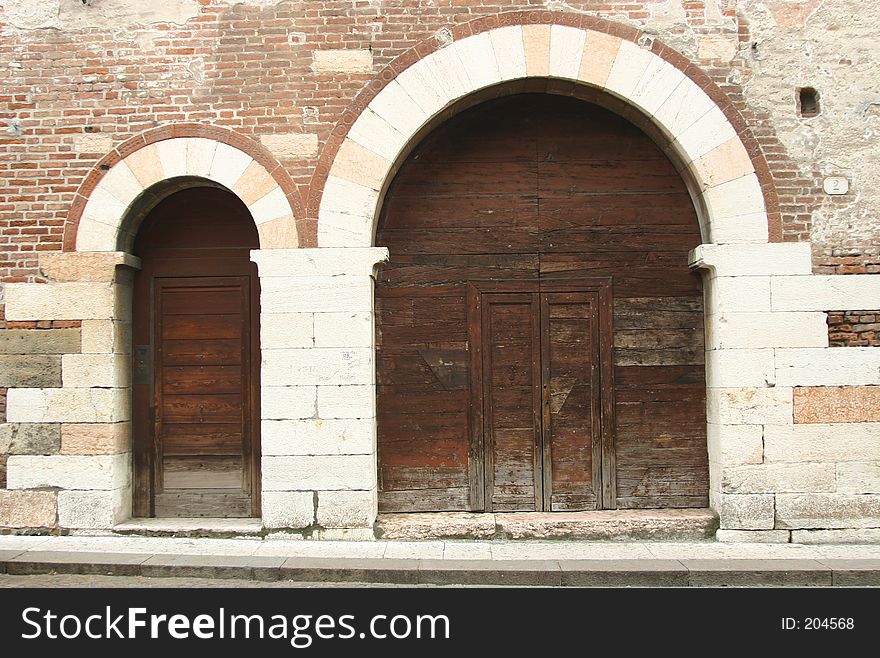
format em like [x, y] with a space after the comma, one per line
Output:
[511, 389]
[202, 417]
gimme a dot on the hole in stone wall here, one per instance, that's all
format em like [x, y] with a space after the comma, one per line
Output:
[808, 102]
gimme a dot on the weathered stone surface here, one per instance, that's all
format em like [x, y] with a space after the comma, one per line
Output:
[29, 371]
[325, 262]
[95, 438]
[92, 143]
[342, 61]
[319, 472]
[779, 477]
[843, 442]
[288, 509]
[827, 511]
[345, 329]
[845, 536]
[30, 439]
[106, 336]
[40, 341]
[85, 266]
[346, 509]
[754, 536]
[746, 512]
[27, 509]
[96, 370]
[105, 472]
[319, 366]
[67, 405]
[749, 406]
[837, 404]
[347, 401]
[734, 445]
[441, 525]
[653, 524]
[287, 402]
[292, 145]
[318, 437]
[93, 509]
[59, 301]
[858, 477]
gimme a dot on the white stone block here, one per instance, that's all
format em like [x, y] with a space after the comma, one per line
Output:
[318, 366]
[737, 198]
[286, 330]
[820, 510]
[507, 42]
[344, 60]
[746, 512]
[740, 368]
[228, 165]
[656, 85]
[749, 406]
[67, 405]
[478, 61]
[360, 165]
[288, 509]
[104, 208]
[340, 230]
[121, 184]
[373, 132]
[172, 157]
[318, 437]
[779, 477]
[628, 68]
[95, 370]
[417, 82]
[92, 143]
[346, 401]
[448, 73]
[93, 510]
[271, 206]
[779, 258]
[298, 146]
[284, 402]
[755, 330]
[744, 229]
[320, 294]
[199, 155]
[105, 472]
[859, 477]
[735, 445]
[105, 337]
[396, 107]
[836, 366]
[851, 292]
[722, 164]
[686, 104]
[708, 132]
[566, 51]
[343, 196]
[319, 472]
[95, 236]
[839, 442]
[327, 262]
[739, 294]
[347, 509]
[753, 536]
[841, 536]
[344, 329]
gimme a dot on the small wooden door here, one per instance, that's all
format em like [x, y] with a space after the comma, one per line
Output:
[196, 360]
[541, 397]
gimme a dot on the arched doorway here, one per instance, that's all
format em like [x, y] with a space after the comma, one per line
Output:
[195, 338]
[539, 334]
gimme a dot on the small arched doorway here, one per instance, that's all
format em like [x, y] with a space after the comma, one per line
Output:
[539, 334]
[195, 337]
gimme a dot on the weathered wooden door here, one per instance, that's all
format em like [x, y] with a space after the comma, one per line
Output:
[196, 353]
[541, 396]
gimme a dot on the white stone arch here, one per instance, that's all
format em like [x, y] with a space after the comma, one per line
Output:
[696, 131]
[103, 224]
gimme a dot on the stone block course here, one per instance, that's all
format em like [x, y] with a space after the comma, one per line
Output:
[27, 509]
[288, 509]
[859, 477]
[823, 293]
[827, 511]
[30, 371]
[318, 437]
[346, 509]
[95, 438]
[841, 442]
[837, 404]
[104, 472]
[40, 341]
[750, 406]
[59, 301]
[752, 330]
[292, 145]
[319, 366]
[30, 439]
[747, 512]
[841, 366]
[67, 405]
[779, 478]
[93, 509]
[323, 472]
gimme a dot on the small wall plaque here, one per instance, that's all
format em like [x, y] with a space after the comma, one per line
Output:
[835, 185]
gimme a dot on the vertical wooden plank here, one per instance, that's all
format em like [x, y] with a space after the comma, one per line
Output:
[486, 388]
[546, 423]
[538, 462]
[477, 446]
[606, 351]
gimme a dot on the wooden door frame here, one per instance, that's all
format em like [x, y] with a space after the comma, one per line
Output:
[144, 439]
[478, 462]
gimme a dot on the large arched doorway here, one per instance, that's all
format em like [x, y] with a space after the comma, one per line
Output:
[539, 334]
[196, 358]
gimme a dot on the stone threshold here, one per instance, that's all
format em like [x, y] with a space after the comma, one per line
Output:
[623, 525]
[558, 573]
[191, 527]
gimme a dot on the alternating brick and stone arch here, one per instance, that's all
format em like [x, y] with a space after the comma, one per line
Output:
[145, 169]
[682, 110]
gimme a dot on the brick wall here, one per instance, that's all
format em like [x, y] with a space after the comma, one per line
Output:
[854, 328]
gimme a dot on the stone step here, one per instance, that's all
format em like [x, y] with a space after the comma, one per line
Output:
[669, 524]
[194, 527]
[792, 572]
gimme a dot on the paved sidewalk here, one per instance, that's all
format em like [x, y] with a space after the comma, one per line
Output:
[497, 562]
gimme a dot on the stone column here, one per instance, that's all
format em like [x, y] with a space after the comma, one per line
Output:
[88, 470]
[318, 390]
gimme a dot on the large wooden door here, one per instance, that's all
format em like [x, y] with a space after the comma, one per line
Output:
[541, 396]
[196, 360]
[528, 191]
